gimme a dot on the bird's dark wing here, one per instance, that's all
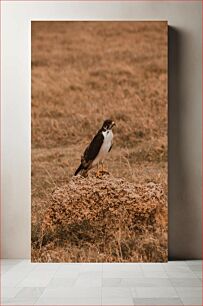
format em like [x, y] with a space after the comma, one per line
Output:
[93, 149]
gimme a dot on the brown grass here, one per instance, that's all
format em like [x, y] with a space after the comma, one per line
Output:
[82, 73]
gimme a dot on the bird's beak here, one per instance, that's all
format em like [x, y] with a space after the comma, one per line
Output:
[113, 123]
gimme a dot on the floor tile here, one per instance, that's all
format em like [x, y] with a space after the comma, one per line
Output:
[91, 267]
[155, 274]
[154, 292]
[198, 274]
[6, 268]
[176, 263]
[171, 283]
[72, 292]
[21, 301]
[69, 272]
[39, 280]
[178, 274]
[28, 292]
[152, 267]
[4, 301]
[97, 282]
[119, 267]
[185, 282]
[177, 268]
[189, 291]
[39, 276]
[196, 268]
[11, 261]
[146, 282]
[92, 278]
[90, 274]
[46, 267]
[122, 274]
[9, 292]
[148, 264]
[115, 292]
[69, 301]
[193, 262]
[192, 301]
[70, 267]
[15, 275]
[112, 282]
[157, 301]
[61, 282]
[117, 301]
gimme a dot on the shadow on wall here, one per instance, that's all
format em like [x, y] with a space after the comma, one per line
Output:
[184, 204]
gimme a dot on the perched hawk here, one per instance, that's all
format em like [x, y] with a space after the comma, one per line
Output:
[97, 150]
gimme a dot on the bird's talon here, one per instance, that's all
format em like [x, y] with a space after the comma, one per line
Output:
[104, 171]
[99, 173]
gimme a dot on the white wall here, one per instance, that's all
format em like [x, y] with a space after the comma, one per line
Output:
[184, 112]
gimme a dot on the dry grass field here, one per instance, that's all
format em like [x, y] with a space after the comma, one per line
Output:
[83, 73]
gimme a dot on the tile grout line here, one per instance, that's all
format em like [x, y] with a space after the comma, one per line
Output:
[47, 285]
[16, 286]
[201, 270]
[174, 288]
[180, 298]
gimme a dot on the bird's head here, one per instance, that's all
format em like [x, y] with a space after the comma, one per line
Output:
[108, 124]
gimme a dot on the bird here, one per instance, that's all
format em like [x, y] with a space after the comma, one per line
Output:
[98, 149]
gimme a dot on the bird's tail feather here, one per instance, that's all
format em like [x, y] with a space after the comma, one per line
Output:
[79, 169]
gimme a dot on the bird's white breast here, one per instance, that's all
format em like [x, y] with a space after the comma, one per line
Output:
[108, 138]
[107, 143]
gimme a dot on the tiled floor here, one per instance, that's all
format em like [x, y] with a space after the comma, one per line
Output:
[173, 283]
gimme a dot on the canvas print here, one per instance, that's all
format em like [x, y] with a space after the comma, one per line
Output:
[99, 141]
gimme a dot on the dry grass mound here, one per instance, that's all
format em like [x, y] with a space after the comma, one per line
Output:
[104, 219]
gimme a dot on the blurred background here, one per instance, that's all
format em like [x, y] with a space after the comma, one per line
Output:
[85, 72]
